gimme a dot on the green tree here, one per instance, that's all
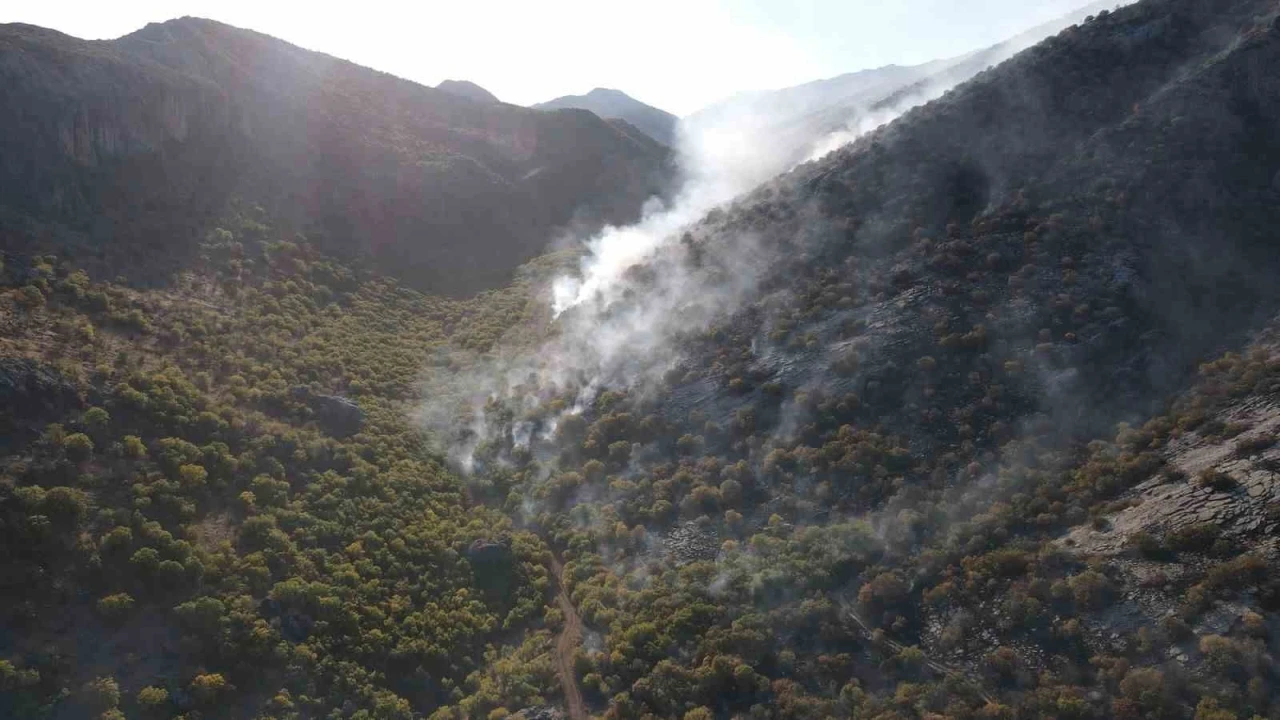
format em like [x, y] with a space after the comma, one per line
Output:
[78, 446]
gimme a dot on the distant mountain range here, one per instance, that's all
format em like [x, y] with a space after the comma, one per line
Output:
[126, 151]
[617, 105]
[799, 121]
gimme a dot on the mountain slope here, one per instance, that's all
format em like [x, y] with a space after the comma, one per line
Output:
[879, 395]
[126, 148]
[617, 105]
[809, 120]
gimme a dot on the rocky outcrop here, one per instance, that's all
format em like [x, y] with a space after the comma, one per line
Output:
[1231, 483]
[540, 712]
[339, 416]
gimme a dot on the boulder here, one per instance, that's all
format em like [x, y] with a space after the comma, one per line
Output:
[336, 415]
[540, 712]
[339, 416]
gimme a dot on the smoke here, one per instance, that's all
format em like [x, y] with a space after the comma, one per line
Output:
[617, 322]
[640, 291]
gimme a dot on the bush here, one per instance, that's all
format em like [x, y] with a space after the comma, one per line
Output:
[1193, 538]
[192, 477]
[152, 697]
[206, 688]
[77, 446]
[116, 607]
[1217, 480]
[101, 693]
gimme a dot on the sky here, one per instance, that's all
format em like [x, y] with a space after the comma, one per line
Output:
[679, 55]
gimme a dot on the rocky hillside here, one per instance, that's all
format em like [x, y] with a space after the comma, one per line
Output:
[123, 151]
[617, 105]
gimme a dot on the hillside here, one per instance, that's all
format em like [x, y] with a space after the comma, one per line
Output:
[870, 458]
[617, 105]
[125, 151]
[467, 89]
[975, 417]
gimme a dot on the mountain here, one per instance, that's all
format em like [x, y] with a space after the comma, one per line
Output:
[977, 416]
[972, 417]
[467, 89]
[125, 150]
[617, 105]
[811, 119]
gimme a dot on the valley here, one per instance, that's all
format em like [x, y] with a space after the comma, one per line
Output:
[973, 416]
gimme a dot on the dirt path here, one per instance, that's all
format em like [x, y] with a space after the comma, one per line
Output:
[566, 644]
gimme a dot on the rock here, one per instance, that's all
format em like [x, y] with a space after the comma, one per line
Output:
[486, 551]
[337, 415]
[691, 542]
[340, 416]
[540, 712]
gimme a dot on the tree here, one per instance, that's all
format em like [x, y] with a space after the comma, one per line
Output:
[192, 477]
[101, 693]
[30, 298]
[78, 446]
[208, 687]
[134, 449]
[152, 697]
[116, 607]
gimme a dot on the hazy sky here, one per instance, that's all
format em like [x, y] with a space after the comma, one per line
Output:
[677, 54]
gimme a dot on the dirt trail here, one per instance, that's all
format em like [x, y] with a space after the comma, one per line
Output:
[566, 644]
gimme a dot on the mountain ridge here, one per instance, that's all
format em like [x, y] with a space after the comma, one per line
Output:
[613, 104]
[216, 109]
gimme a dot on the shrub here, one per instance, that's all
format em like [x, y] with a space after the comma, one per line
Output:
[116, 607]
[206, 688]
[192, 477]
[1216, 479]
[134, 449]
[152, 697]
[78, 446]
[1193, 538]
[101, 693]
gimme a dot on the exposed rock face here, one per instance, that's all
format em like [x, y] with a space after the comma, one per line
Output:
[1241, 502]
[337, 415]
[541, 712]
[691, 542]
[340, 417]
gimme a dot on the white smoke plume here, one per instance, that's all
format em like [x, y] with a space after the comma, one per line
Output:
[616, 322]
